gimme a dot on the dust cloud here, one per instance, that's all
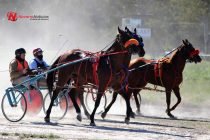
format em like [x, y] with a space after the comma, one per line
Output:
[89, 25]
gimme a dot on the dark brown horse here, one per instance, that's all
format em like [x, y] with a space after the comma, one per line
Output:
[110, 70]
[75, 93]
[166, 72]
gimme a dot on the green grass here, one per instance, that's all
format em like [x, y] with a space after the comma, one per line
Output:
[196, 83]
[199, 71]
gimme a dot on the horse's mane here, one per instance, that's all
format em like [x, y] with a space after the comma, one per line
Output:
[71, 51]
[169, 59]
[110, 49]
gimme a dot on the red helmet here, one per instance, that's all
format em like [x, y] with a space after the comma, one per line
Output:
[35, 51]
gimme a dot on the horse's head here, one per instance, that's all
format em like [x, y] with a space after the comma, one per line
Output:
[190, 53]
[140, 49]
[129, 43]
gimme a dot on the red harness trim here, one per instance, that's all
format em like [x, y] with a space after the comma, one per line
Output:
[95, 64]
[158, 72]
[126, 88]
[195, 52]
[157, 69]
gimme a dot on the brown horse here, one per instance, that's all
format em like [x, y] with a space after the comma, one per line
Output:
[110, 70]
[75, 93]
[166, 72]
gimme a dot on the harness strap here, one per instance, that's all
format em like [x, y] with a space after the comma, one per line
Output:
[78, 74]
[86, 72]
[95, 69]
[99, 55]
[146, 88]
[110, 78]
[158, 71]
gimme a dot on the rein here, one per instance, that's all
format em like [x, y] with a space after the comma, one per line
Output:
[107, 45]
[147, 88]
[172, 51]
[129, 42]
[154, 62]
[100, 55]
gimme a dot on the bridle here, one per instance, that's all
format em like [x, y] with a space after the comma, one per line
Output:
[124, 46]
[194, 53]
[190, 55]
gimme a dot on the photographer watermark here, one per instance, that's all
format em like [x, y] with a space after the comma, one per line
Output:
[14, 16]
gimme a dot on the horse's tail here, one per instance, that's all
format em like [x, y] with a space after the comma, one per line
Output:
[50, 76]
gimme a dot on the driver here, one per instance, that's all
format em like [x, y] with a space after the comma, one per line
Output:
[39, 65]
[18, 67]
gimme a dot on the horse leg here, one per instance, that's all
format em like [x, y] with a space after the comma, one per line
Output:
[98, 99]
[177, 93]
[168, 101]
[128, 94]
[55, 94]
[73, 96]
[135, 94]
[81, 97]
[114, 97]
[129, 112]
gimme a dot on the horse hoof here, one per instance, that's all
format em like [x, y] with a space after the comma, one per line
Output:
[127, 121]
[92, 124]
[47, 120]
[103, 115]
[79, 117]
[132, 115]
[171, 116]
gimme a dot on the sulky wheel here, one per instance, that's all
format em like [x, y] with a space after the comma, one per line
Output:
[90, 98]
[59, 108]
[34, 101]
[11, 105]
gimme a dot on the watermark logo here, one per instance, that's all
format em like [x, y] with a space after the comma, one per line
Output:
[13, 16]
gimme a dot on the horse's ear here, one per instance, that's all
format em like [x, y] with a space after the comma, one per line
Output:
[126, 28]
[183, 41]
[135, 31]
[187, 42]
[128, 31]
[120, 31]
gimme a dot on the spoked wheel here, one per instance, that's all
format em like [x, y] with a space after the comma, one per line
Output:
[59, 108]
[90, 98]
[11, 105]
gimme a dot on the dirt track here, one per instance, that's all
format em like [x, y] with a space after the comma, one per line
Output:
[113, 127]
